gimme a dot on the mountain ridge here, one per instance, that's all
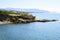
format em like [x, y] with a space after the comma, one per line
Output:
[25, 10]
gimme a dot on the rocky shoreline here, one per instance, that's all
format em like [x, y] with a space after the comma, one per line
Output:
[26, 21]
[7, 17]
[30, 21]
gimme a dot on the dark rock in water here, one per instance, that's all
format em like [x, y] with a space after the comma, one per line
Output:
[44, 20]
[54, 20]
[30, 21]
[26, 21]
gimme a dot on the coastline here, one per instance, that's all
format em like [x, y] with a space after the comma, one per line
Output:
[9, 17]
[26, 21]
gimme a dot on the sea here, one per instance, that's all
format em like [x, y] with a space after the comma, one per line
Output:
[33, 31]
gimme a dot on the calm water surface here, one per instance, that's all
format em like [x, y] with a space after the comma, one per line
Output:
[32, 31]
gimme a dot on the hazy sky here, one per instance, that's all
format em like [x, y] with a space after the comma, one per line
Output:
[50, 5]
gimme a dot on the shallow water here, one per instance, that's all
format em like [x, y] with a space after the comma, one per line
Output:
[31, 31]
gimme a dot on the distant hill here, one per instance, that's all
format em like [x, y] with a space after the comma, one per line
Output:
[25, 10]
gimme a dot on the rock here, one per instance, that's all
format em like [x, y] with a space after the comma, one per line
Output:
[44, 20]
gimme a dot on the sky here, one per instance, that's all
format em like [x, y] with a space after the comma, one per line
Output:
[50, 5]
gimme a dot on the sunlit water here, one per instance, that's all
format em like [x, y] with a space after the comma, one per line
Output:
[32, 31]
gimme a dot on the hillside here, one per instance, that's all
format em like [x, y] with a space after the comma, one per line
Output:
[15, 16]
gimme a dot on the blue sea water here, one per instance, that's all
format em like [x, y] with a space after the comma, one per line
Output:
[47, 15]
[32, 31]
